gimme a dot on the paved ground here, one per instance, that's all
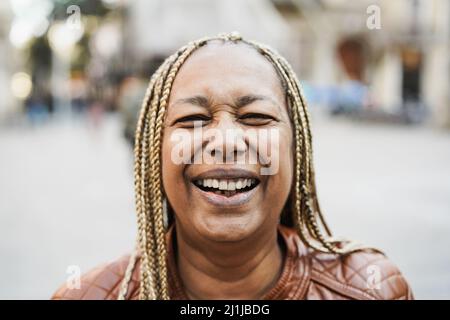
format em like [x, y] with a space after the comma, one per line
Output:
[66, 198]
[389, 186]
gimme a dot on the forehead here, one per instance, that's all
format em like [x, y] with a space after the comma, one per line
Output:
[221, 70]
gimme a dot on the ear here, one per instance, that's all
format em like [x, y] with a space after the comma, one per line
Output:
[169, 213]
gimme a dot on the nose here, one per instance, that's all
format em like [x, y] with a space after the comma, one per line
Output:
[225, 141]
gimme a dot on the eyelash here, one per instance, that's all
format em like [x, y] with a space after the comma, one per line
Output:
[256, 116]
[192, 118]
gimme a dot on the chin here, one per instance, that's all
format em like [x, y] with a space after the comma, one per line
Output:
[229, 228]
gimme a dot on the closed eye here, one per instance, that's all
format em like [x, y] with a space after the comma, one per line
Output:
[256, 116]
[190, 119]
[256, 119]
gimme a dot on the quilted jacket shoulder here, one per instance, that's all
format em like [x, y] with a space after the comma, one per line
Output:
[101, 283]
[366, 274]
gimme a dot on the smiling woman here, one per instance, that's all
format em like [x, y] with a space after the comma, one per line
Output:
[216, 225]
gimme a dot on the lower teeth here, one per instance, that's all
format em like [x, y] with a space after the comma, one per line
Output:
[225, 193]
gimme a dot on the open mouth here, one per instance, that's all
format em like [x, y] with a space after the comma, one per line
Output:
[227, 187]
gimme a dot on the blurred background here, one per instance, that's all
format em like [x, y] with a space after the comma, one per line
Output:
[72, 77]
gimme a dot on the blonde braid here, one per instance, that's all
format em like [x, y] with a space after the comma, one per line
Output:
[151, 288]
[140, 201]
[148, 275]
[306, 214]
[312, 210]
[153, 265]
[303, 103]
[156, 187]
[302, 150]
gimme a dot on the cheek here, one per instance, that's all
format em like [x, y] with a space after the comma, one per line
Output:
[276, 154]
[282, 179]
[279, 173]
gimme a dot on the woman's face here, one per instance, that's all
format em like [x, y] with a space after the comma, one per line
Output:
[227, 158]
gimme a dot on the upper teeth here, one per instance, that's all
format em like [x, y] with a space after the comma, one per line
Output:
[226, 184]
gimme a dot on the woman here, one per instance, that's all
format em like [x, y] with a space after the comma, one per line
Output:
[212, 223]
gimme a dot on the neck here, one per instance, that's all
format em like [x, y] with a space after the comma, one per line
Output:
[239, 270]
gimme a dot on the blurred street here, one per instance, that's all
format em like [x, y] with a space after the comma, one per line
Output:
[66, 194]
[66, 198]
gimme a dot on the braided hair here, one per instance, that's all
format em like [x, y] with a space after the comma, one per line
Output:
[301, 211]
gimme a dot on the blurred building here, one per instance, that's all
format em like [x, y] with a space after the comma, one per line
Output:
[159, 27]
[343, 58]
[404, 61]
[5, 60]
[400, 67]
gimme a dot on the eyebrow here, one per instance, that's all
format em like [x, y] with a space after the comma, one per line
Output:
[200, 101]
[240, 102]
[249, 99]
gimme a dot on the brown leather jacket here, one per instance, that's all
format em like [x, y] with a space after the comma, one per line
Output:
[306, 274]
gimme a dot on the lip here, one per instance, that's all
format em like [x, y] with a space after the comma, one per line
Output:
[221, 173]
[218, 200]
